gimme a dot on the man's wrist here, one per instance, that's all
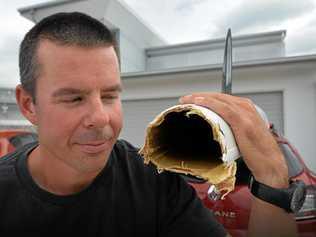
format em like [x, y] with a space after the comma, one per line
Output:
[274, 181]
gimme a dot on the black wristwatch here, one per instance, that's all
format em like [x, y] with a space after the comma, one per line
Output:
[290, 199]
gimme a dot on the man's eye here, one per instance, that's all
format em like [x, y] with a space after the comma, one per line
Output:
[74, 100]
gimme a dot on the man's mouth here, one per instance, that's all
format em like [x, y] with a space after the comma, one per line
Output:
[94, 147]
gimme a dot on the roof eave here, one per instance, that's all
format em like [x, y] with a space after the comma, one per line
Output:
[208, 67]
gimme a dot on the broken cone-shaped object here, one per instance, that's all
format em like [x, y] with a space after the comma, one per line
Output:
[192, 139]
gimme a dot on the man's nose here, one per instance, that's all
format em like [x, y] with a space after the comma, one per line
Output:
[97, 114]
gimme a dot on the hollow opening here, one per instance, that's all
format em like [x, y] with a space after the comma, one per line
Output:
[187, 138]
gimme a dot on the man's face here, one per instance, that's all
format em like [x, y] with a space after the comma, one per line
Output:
[78, 108]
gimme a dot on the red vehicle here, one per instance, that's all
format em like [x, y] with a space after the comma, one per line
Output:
[12, 139]
[234, 211]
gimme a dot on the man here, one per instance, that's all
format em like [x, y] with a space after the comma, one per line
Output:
[78, 179]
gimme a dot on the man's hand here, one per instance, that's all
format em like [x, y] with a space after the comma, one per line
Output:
[256, 144]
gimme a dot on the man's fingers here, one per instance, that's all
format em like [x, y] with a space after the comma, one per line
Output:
[230, 108]
[218, 96]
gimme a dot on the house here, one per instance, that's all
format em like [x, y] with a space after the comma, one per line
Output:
[155, 74]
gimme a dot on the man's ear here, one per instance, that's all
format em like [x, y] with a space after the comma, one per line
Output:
[26, 104]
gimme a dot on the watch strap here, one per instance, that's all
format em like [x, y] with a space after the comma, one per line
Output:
[278, 197]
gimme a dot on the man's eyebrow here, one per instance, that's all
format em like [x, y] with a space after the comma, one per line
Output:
[74, 91]
[68, 91]
[114, 88]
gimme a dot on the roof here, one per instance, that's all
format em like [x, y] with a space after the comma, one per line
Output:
[45, 5]
[239, 40]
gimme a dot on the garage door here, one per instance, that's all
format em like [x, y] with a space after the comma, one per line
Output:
[138, 113]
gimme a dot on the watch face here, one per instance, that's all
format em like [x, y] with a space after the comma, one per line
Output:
[298, 197]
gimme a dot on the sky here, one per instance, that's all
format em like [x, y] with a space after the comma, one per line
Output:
[179, 21]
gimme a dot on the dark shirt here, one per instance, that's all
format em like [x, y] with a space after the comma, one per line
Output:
[127, 198]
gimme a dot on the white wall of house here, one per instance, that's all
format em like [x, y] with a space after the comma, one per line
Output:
[294, 77]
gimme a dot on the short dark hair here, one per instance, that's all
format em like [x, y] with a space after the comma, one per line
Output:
[73, 28]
